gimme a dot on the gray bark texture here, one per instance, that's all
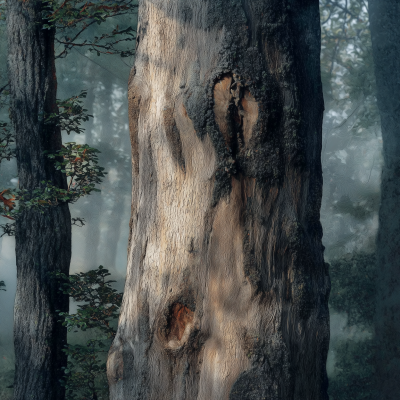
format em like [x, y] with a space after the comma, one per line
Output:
[385, 33]
[226, 294]
[43, 241]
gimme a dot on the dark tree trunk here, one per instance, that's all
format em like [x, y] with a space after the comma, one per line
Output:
[226, 293]
[43, 241]
[385, 33]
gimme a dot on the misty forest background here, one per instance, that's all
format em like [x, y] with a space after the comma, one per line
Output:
[351, 159]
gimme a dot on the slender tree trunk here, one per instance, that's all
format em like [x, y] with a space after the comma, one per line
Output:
[385, 33]
[226, 293]
[43, 241]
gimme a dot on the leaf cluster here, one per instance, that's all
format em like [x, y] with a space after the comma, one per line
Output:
[6, 139]
[71, 114]
[102, 302]
[355, 377]
[80, 164]
[86, 367]
[84, 370]
[353, 290]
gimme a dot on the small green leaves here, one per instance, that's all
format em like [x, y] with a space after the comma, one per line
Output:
[101, 306]
[102, 301]
[78, 162]
[71, 114]
[6, 139]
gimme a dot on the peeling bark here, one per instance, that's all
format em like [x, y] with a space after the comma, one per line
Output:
[43, 241]
[385, 34]
[226, 293]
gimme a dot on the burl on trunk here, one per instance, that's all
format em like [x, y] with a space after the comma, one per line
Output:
[226, 291]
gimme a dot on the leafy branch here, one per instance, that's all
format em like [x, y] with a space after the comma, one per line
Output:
[78, 162]
[86, 366]
[6, 139]
[71, 114]
[102, 302]
[78, 16]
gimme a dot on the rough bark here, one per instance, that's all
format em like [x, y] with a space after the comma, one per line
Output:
[385, 33]
[226, 290]
[43, 241]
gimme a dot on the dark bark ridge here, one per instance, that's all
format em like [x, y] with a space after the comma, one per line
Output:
[43, 241]
[385, 35]
[261, 105]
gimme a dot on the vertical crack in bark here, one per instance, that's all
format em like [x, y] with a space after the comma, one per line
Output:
[134, 111]
[173, 136]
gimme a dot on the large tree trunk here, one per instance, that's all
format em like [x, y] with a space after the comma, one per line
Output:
[226, 293]
[385, 33]
[43, 241]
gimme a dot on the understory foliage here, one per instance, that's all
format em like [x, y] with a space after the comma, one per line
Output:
[85, 374]
[353, 292]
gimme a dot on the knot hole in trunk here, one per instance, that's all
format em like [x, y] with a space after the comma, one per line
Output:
[179, 319]
[175, 324]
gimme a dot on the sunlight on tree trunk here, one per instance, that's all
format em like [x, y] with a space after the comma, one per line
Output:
[226, 294]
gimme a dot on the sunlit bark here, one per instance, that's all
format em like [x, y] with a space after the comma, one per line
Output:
[226, 290]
